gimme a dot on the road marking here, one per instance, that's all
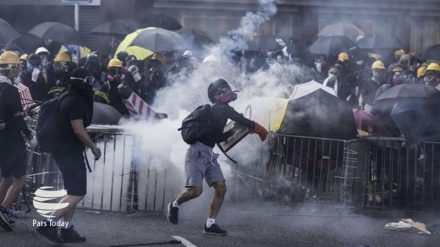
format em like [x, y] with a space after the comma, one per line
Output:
[184, 241]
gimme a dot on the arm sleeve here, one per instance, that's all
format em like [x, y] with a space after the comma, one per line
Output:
[237, 117]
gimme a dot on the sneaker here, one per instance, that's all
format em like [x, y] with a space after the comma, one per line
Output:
[215, 230]
[69, 235]
[50, 232]
[4, 223]
[173, 214]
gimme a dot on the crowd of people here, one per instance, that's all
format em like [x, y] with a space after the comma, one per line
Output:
[358, 79]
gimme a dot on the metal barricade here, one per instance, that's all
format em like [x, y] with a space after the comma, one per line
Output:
[119, 181]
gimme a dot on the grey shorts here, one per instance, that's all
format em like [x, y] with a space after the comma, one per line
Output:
[201, 162]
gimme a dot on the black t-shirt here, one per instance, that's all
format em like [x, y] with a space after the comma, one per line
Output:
[72, 107]
[220, 114]
[369, 91]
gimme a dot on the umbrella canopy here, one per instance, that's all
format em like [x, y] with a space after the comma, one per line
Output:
[162, 21]
[379, 41]
[268, 111]
[332, 45]
[264, 43]
[158, 40]
[342, 29]
[417, 119]
[83, 50]
[7, 32]
[57, 31]
[365, 121]
[105, 114]
[319, 114]
[137, 51]
[430, 53]
[195, 37]
[114, 28]
[26, 43]
[408, 91]
[301, 90]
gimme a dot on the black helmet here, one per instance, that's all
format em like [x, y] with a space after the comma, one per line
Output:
[122, 55]
[214, 87]
[131, 58]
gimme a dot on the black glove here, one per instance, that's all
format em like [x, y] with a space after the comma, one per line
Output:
[124, 91]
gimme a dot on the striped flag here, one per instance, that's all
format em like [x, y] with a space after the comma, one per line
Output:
[25, 96]
[137, 107]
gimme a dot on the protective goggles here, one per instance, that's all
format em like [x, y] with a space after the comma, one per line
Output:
[224, 89]
[88, 80]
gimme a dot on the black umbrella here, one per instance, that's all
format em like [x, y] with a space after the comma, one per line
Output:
[264, 43]
[319, 114]
[417, 119]
[158, 40]
[341, 29]
[115, 27]
[408, 91]
[162, 21]
[105, 114]
[57, 31]
[195, 37]
[430, 53]
[332, 45]
[379, 41]
[26, 43]
[7, 32]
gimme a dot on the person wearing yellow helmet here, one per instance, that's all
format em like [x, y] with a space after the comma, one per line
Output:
[155, 77]
[61, 73]
[370, 87]
[421, 72]
[115, 78]
[23, 61]
[432, 77]
[12, 61]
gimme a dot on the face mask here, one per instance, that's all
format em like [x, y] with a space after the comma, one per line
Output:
[396, 79]
[431, 80]
[227, 97]
[331, 77]
[377, 75]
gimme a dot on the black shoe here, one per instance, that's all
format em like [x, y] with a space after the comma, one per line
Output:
[4, 223]
[215, 230]
[50, 232]
[69, 235]
[173, 214]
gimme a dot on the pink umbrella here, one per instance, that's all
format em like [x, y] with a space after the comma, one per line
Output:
[367, 122]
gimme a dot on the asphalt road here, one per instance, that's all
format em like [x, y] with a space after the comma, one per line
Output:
[251, 224]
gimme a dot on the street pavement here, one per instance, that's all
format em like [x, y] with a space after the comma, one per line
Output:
[248, 224]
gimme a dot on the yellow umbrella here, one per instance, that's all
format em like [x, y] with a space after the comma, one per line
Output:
[137, 51]
[268, 111]
[83, 50]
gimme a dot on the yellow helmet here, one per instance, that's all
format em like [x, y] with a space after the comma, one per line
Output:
[62, 57]
[399, 52]
[9, 57]
[378, 65]
[433, 66]
[398, 68]
[160, 57]
[421, 71]
[342, 56]
[114, 63]
[24, 57]
[375, 56]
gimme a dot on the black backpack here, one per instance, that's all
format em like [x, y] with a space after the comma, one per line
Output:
[196, 125]
[48, 132]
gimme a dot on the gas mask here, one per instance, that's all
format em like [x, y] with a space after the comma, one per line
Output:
[60, 68]
[378, 75]
[226, 95]
[13, 71]
[397, 78]
[431, 79]
[44, 61]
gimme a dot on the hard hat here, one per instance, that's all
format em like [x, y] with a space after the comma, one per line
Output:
[421, 71]
[160, 57]
[378, 65]
[114, 63]
[210, 58]
[398, 68]
[433, 66]
[41, 50]
[342, 56]
[24, 57]
[375, 56]
[122, 55]
[399, 52]
[62, 57]
[9, 57]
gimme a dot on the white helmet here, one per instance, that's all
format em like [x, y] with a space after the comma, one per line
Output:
[41, 50]
[210, 58]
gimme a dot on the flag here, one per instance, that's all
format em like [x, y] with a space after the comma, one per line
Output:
[25, 96]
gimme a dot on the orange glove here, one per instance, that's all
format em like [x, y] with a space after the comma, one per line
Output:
[261, 131]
